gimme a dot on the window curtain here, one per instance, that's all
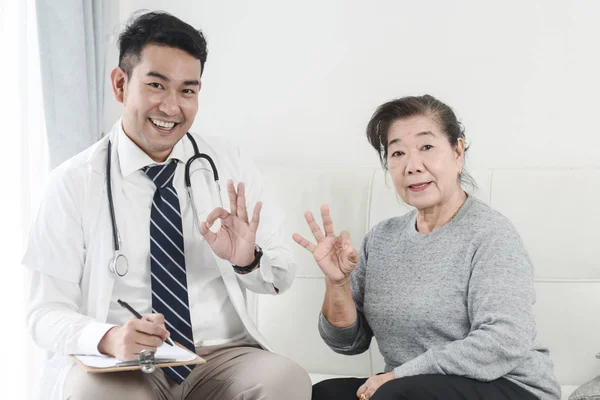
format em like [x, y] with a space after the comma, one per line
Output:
[26, 168]
[72, 47]
[53, 65]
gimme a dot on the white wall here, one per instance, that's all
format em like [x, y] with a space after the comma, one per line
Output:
[297, 81]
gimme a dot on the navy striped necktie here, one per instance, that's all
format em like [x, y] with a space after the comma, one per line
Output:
[167, 263]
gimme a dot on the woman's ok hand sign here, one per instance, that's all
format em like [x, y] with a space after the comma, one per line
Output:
[334, 254]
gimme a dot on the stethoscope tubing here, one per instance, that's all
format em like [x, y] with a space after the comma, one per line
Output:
[115, 230]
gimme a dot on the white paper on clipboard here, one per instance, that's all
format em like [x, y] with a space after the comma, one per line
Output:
[165, 351]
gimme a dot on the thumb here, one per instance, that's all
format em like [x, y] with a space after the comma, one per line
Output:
[353, 256]
[349, 251]
[155, 318]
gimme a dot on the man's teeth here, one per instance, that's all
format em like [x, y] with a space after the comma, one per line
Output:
[163, 124]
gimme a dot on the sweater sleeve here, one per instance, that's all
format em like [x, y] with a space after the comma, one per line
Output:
[356, 338]
[500, 299]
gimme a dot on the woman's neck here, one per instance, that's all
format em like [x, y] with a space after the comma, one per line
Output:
[432, 218]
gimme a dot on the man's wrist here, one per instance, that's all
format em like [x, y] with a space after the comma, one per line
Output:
[104, 346]
[252, 266]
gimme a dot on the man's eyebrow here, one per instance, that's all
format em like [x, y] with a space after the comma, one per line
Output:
[158, 75]
[190, 82]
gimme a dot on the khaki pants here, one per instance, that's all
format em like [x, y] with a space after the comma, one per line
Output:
[232, 372]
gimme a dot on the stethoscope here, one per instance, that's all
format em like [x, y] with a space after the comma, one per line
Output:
[119, 264]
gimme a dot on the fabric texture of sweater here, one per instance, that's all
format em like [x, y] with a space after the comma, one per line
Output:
[456, 301]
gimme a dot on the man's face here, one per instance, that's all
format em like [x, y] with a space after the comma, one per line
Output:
[160, 99]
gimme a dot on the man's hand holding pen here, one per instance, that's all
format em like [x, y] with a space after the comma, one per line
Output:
[127, 341]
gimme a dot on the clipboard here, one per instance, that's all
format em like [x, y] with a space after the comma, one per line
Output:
[160, 362]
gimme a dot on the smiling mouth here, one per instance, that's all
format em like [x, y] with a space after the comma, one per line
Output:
[420, 186]
[163, 125]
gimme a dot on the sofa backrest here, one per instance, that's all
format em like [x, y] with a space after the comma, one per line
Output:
[554, 210]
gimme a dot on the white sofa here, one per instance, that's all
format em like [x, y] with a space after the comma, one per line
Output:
[554, 210]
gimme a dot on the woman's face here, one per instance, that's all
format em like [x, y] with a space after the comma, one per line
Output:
[424, 166]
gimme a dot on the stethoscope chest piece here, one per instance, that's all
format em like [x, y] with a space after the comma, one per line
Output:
[119, 264]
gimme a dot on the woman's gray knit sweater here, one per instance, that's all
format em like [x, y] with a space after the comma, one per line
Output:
[457, 301]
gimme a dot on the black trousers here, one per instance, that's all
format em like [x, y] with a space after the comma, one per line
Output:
[424, 387]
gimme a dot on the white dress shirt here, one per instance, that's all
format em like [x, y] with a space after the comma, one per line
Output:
[214, 321]
[72, 293]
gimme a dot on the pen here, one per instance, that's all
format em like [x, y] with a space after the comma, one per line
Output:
[137, 314]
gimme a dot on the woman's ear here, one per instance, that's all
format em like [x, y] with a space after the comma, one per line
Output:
[118, 79]
[459, 153]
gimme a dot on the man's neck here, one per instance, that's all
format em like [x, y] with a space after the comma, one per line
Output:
[156, 156]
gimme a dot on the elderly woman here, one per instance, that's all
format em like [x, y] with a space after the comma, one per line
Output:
[446, 289]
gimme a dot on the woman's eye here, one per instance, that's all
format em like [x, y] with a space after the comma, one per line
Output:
[427, 147]
[397, 154]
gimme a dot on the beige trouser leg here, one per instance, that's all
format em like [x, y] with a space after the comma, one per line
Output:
[232, 372]
[246, 373]
[132, 385]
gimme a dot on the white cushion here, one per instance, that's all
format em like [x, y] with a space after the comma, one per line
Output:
[567, 322]
[566, 391]
[555, 212]
[303, 189]
[289, 323]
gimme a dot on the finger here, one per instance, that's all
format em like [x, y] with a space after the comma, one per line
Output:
[151, 328]
[242, 212]
[345, 239]
[256, 217]
[348, 251]
[218, 212]
[303, 242]
[138, 347]
[360, 393]
[159, 319]
[314, 227]
[327, 221]
[156, 318]
[352, 255]
[149, 341]
[206, 233]
[232, 197]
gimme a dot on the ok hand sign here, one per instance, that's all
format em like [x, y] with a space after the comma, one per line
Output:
[236, 238]
[334, 254]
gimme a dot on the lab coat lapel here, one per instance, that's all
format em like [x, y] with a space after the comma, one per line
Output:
[98, 282]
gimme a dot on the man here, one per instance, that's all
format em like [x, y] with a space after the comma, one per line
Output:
[185, 275]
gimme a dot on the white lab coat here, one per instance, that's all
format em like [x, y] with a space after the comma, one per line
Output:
[71, 240]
